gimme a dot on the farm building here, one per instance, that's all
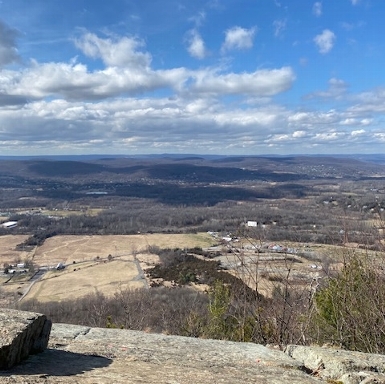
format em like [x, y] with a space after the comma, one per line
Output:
[9, 224]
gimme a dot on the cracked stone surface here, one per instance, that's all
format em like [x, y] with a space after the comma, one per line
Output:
[91, 355]
[78, 354]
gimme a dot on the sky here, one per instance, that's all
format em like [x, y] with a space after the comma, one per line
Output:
[228, 77]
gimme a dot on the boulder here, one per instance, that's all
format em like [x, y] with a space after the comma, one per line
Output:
[21, 334]
[347, 367]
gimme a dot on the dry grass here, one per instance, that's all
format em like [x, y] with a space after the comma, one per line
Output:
[67, 249]
[79, 280]
[87, 275]
[8, 252]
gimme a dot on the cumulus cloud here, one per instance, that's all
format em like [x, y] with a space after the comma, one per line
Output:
[299, 134]
[372, 101]
[358, 132]
[264, 82]
[238, 38]
[328, 136]
[196, 45]
[129, 124]
[317, 9]
[132, 124]
[337, 89]
[128, 72]
[325, 41]
[74, 81]
[8, 50]
[302, 120]
[114, 52]
[77, 109]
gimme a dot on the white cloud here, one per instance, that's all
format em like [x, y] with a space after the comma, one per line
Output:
[349, 121]
[380, 136]
[75, 82]
[355, 2]
[328, 136]
[317, 9]
[128, 72]
[325, 41]
[196, 45]
[299, 134]
[279, 27]
[156, 125]
[239, 38]
[77, 109]
[369, 102]
[132, 124]
[8, 50]
[366, 121]
[264, 82]
[114, 52]
[337, 89]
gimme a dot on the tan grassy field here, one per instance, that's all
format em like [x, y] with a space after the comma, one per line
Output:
[8, 253]
[88, 276]
[77, 281]
[67, 249]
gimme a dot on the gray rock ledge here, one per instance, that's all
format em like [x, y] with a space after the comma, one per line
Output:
[21, 334]
[78, 354]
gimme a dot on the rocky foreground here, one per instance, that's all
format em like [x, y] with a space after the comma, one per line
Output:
[77, 354]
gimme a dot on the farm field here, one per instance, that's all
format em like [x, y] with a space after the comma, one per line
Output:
[93, 263]
[108, 263]
[8, 252]
[77, 281]
[67, 249]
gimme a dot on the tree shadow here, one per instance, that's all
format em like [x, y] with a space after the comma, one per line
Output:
[53, 362]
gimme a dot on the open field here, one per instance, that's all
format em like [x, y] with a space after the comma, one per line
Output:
[67, 249]
[83, 274]
[8, 252]
[90, 270]
[77, 281]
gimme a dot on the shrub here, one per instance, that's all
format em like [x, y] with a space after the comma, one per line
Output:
[350, 309]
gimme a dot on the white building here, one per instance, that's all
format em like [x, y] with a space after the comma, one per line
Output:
[9, 224]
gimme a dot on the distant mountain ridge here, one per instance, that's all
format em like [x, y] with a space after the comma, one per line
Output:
[373, 158]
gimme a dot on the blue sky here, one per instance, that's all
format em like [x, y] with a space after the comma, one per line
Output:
[229, 77]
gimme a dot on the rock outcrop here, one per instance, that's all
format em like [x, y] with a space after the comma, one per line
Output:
[21, 334]
[78, 354]
[338, 365]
